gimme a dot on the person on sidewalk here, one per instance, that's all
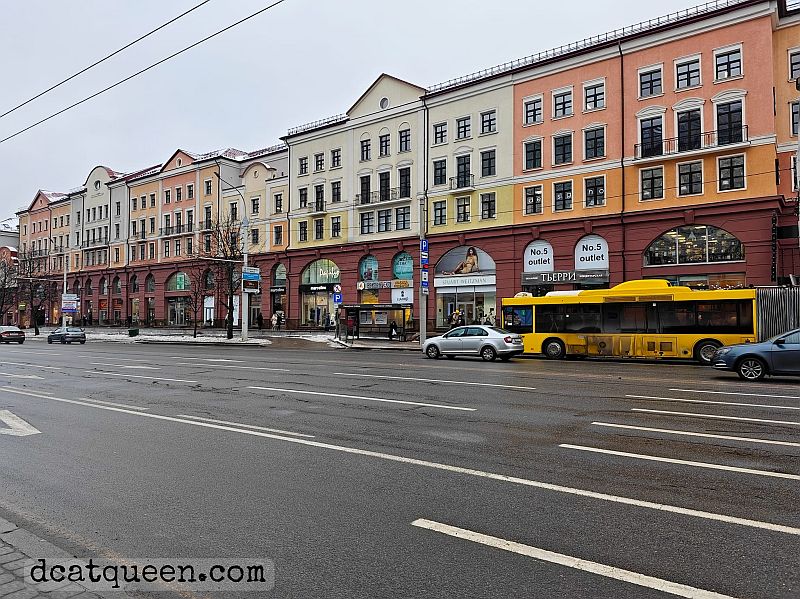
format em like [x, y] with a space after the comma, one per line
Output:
[274, 321]
[260, 321]
[392, 330]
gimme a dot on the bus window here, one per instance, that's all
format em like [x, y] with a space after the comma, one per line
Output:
[677, 317]
[629, 318]
[550, 319]
[722, 317]
[518, 319]
[582, 318]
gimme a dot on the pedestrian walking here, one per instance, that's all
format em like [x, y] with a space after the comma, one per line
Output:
[280, 320]
[274, 321]
[392, 330]
[260, 321]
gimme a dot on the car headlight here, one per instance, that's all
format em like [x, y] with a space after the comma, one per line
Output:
[723, 350]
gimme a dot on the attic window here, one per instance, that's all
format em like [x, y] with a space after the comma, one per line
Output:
[97, 184]
[255, 174]
[178, 162]
[384, 103]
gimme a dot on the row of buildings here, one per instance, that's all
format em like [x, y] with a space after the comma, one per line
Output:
[662, 150]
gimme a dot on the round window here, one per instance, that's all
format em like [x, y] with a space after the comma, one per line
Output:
[384, 103]
[97, 184]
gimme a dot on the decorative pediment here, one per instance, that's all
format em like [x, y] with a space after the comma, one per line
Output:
[385, 93]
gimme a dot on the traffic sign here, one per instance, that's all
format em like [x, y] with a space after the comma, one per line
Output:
[423, 245]
[424, 275]
[337, 298]
[424, 262]
[423, 255]
[251, 269]
[337, 288]
[69, 297]
[425, 291]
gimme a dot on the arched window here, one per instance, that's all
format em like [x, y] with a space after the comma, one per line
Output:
[88, 289]
[279, 275]
[208, 280]
[320, 272]
[403, 266]
[368, 268]
[103, 286]
[134, 284]
[178, 282]
[76, 288]
[694, 244]
[116, 286]
[150, 284]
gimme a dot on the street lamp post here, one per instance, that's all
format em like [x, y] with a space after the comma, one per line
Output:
[64, 291]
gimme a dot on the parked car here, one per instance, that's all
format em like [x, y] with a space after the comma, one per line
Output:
[12, 334]
[475, 340]
[753, 361]
[67, 335]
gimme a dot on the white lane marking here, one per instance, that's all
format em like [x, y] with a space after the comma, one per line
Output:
[407, 378]
[37, 353]
[642, 580]
[717, 403]
[732, 393]
[137, 376]
[183, 358]
[716, 417]
[790, 530]
[22, 389]
[253, 426]
[17, 427]
[198, 365]
[380, 399]
[35, 366]
[653, 458]
[668, 431]
[22, 376]
[124, 366]
[223, 360]
[111, 403]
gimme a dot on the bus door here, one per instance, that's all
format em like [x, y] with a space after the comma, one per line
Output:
[634, 325]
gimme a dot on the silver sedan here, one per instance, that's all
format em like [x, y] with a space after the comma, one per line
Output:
[475, 340]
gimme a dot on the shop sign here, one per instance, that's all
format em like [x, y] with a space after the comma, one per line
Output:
[402, 283]
[403, 266]
[402, 296]
[394, 284]
[277, 289]
[368, 268]
[318, 287]
[591, 253]
[565, 276]
[538, 257]
[465, 281]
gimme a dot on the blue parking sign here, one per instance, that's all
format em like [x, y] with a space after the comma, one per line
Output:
[423, 245]
[337, 298]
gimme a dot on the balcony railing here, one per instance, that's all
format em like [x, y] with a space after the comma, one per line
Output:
[367, 198]
[692, 142]
[87, 243]
[205, 225]
[317, 206]
[139, 235]
[462, 182]
[177, 229]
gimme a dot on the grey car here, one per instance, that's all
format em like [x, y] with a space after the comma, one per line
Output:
[475, 340]
[753, 361]
[67, 335]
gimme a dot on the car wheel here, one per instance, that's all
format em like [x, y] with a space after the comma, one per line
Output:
[63, 340]
[488, 354]
[83, 341]
[704, 351]
[433, 352]
[554, 349]
[49, 340]
[21, 341]
[751, 369]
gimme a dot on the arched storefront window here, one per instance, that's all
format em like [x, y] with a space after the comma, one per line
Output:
[208, 280]
[116, 286]
[134, 284]
[368, 268]
[279, 275]
[76, 288]
[466, 287]
[316, 293]
[368, 280]
[277, 290]
[103, 286]
[178, 282]
[694, 244]
[403, 267]
[150, 284]
[88, 288]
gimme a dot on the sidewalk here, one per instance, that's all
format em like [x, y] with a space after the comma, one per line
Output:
[383, 344]
[17, 546]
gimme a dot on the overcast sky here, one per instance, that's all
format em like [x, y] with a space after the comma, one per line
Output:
[299, 62]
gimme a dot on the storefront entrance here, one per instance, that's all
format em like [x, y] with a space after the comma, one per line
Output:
[177, 311]
[317, 285]
[466, 292]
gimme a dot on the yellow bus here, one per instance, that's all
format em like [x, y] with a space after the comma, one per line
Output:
[636, 319]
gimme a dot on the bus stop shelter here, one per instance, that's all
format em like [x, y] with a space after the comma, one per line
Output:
[372, 320]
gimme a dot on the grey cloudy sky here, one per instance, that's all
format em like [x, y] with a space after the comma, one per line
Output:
[299, 62]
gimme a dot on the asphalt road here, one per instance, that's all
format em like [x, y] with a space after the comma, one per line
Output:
[385, 474]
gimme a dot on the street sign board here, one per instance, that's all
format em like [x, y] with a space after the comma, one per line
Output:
[337, 288]
[69, 306]
[251, 269]
[424, 276]
[423, 262]
[423, 245]
[423, 255]
[72, 297]
[337, 298]
[425, 291]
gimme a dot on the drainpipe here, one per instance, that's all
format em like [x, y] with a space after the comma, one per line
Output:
[622, 156]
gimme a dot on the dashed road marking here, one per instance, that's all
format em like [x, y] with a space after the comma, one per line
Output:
[128, 366]
[137, 376]
[734, 393]
[407, 378]
[717, 417]
[254, 427]
[667, 431]
[716, 403]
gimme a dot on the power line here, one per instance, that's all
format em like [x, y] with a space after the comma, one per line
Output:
[144, 70]
[102, 60]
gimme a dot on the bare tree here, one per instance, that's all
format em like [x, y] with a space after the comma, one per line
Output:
[199, 290]
[8, 285]
[35, 283]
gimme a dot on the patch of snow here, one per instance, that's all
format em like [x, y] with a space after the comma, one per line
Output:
[124, 338]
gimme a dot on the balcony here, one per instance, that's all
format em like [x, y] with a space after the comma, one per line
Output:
[176, 230]
[137, 235]
[89, 243]
[692, 143]
[317, 206]
[205, 225]
[367, 198]
[462, 182]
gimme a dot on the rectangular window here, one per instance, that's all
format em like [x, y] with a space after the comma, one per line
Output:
[303, 197]
[319, 197]
[278, 202]
[405, 140]
[594, 96]
[650, 83]
[690, 178]
[206, 243]
[562, 196]
[488, 205]
[728, 64]
[440, 133]
[178, 194]
[533, 111]
[133, 204]
[234, 212]
[687, 74]
[189, 191]
[652, 136]
[731, 173]
[153, 224]
[463, 127]
[795, 117]
[166, 249]
[794, 66]
[595, 143]
[153, 196]
[562, 104]
[533, 154]
[336, 226]
[141, 252]
[367, 222]
[303, 231]
[462, 210]
[730, 129]
[336, 192]
[488, 163]
[302, 165]
[366, 187]
[255, 205]
[366, 149]
[319, 162]
[134, 228]
[690, 132]
[440, 212]
[336, 158]
[463, 171]
[402, 218]
[384, 221]
[177, 247]
[117, 209]
[319, 228]
[278, 235]
[404, 174]
[533, 200]
[384, 142]
[116, 232]
[489, 121]
[652, 183]
[439, 172]
[595, 188]
[254, 236]
[562, 149]
[207, 187]
[167, 196]
[189, 246]
[384, 187]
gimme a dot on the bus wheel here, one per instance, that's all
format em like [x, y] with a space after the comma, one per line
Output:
[554, 349]
[704, 350]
